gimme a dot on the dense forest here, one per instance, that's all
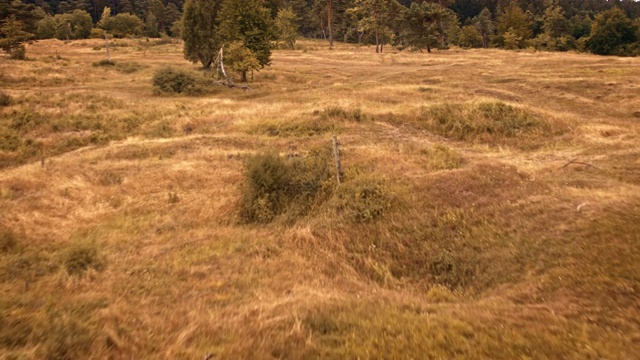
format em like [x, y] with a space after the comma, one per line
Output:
[599, 26]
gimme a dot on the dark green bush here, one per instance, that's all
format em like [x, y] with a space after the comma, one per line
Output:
[275, 185]
[8, 240]
[176, 81]
[104, 62]
[337, 112]
[362, 199]
[82, 257]
[5, 99]
[18, 53]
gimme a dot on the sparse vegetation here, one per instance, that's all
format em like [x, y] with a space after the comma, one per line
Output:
[5, 99]
[81, 257]
[175, 81]
[275, 185]
[488, 206]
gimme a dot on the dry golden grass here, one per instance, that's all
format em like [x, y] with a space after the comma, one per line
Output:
[120, 234]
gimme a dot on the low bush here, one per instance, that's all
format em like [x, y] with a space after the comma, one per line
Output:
[442, 158]
[363, 199]
[82, 257]
[492, 122]
[104, 62]
[5, 99]
[337, 112]
[8, 240]
[169, 80]
[274, 185]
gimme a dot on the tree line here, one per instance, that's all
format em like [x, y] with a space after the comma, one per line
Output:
[607, 27]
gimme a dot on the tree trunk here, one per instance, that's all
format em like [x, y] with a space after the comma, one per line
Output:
[377, 42]
[329, 2]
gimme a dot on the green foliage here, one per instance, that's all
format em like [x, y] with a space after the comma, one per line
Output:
[514, 25]
[485, 26]
[47, 27]
[241, 59]
[555, 23]
[423, 24]
[104, 62]
[200, 31]
[77, 25]
[441, 157]
[12, 37]
[151, 25]
[175, 81]
[124, 25]
[511, 40]
[470, 37]
[274, 185]
[8, 240]
[287, 27]
[250, 23]
[613, 33]
[5, 99]
[81, 257]
[363, 199]
[339, 113]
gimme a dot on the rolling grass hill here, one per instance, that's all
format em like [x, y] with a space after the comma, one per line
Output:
[489, 206]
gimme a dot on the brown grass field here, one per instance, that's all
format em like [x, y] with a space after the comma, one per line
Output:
[490, 207]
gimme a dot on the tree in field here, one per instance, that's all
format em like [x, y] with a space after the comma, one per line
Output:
[423, 25]
[485, 26]
[200, 31]
[47, 27]
[555, 23]
[377, 16]
[287, 27]
[514, 21]
[76, 25]
[241, 59]
[470, 37]
[612, 33]
[248, 22]
[123, 25]
[12, 37]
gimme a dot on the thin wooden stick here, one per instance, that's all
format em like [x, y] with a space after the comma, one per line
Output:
[336, 154]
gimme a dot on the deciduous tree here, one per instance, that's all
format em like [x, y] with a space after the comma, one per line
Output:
[200, 31]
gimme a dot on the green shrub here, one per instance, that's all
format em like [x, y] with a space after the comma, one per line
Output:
[442, 158]
[274, 185]
[5, 99]
[18, 53]
[82, 257]
[104, 62]
[336, 112]
[8, 240]
[176, 81]
[362, 199]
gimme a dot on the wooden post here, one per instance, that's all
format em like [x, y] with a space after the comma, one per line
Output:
[336, 154]
[106, 40]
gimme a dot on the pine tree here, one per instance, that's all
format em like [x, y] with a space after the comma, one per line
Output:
[12, 37]
[200, 31]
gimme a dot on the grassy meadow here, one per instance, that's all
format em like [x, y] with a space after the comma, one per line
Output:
[489, 206]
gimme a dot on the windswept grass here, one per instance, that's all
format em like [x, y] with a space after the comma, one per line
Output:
[488, 207]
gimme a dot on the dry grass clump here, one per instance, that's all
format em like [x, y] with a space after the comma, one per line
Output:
[299, 127]
[362, 199]
[494, 123]
[275, 185]
[8, 240]
[441, 157]
[5, 99]
[169, 80]
[82, 257]
[339, 113]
